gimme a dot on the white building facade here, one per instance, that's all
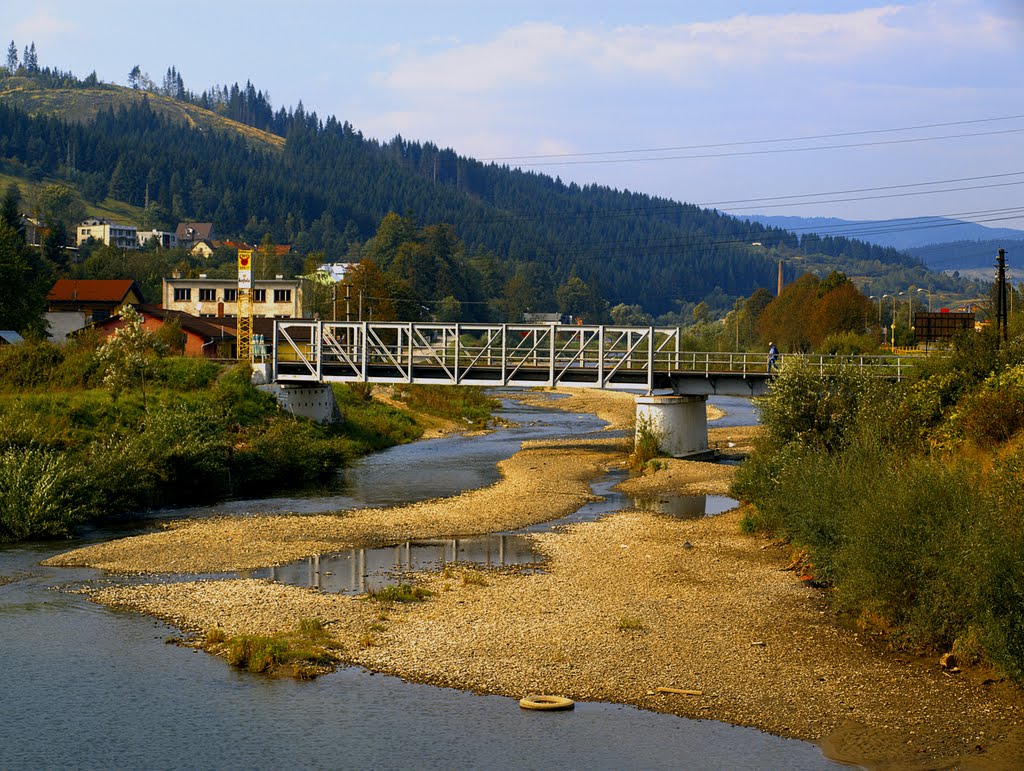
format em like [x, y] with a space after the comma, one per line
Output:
[277, 298]
[110, 233]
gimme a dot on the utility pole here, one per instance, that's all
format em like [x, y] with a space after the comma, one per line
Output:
[1002, 325]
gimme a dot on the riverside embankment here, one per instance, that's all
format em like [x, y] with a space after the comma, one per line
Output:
[625, 605]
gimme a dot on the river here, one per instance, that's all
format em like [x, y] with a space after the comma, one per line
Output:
[87, 686]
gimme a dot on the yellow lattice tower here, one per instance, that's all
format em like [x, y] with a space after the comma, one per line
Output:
[244, 335]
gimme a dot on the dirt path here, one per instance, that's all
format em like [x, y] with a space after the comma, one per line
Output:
[628, 604]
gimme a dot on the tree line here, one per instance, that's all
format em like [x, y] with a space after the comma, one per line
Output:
[330, 188]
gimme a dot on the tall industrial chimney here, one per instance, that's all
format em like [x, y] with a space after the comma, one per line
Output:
[780, 279]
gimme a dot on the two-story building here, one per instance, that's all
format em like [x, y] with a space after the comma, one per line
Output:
[75, 303]
[164, 239]
[110, 233]
[277, 298]
[188, 234]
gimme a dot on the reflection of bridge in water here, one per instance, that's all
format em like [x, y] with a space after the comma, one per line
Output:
[640, 359]
[361, 570]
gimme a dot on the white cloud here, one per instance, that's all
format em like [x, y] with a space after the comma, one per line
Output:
[539, 54]
[42, 27]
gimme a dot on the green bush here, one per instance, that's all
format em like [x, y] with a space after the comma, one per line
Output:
[849, 344]
[40, 494]
[30, 365]
[186, 373]
[926, 546]
[647, 440]
[815, 407]
[242, 403]
[286, 452]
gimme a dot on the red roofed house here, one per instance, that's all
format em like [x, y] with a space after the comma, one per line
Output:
[74, 303]
[200, 337]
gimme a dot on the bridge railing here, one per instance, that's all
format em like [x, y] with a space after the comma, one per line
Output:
[512, 354]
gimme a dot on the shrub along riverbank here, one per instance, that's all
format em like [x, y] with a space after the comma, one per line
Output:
[197, 432]
[908, 498]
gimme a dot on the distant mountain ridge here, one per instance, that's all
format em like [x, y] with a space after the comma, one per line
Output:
[904, 234]
[321, 186]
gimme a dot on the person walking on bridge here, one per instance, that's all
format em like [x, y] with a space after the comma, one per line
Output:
[773, 355]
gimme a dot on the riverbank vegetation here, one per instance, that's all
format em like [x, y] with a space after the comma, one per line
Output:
[907, 499]
[303, 652]
[74, 450]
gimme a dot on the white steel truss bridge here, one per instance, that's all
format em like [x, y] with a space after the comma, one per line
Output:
[626, 358]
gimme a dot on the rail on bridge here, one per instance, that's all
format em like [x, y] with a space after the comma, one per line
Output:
[305, 353]
[611, 357]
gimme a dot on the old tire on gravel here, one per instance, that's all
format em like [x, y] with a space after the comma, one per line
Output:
[546, 702]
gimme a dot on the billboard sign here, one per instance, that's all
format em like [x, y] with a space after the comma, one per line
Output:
[245, 269]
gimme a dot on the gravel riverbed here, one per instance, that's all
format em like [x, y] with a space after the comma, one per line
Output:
[625, 605]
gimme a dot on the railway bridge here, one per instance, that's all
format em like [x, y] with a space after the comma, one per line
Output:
[672, 384]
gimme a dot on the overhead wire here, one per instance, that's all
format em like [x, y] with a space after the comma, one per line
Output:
[757, 141]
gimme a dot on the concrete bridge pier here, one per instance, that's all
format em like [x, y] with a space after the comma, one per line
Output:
[681, 422]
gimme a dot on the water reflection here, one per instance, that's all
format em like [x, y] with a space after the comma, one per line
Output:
[357, 571]
[686, 506]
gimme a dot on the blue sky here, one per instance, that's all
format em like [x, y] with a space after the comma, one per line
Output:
[676, 99]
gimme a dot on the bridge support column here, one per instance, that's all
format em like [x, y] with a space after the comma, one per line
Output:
[315, 402]
[680, 421]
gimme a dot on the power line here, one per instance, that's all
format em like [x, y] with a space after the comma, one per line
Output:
[754, 141]
[865, 189]
[674, 207]
[780, 151]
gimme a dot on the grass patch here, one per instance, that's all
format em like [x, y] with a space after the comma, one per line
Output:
[646, 443]
[474, 578]
[301, 653]
[400, 593]
[631, 624]
[468, 404]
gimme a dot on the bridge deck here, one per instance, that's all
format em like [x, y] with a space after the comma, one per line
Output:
[627, 358]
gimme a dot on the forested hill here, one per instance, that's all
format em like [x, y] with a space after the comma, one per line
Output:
[326, 188]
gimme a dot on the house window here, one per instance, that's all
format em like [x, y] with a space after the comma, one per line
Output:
[230, 295]
[182, 294]
[259, 295]
[282, 295]
[207, 295]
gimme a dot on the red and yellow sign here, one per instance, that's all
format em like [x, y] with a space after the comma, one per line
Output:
[245, 269]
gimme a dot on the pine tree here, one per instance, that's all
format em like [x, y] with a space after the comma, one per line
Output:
[12, 58]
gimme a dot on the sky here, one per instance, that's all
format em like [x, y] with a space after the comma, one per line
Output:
[859, 110]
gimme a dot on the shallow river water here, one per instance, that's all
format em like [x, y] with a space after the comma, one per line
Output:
[86, 686]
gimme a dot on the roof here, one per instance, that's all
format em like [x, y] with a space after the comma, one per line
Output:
[79, 290]
[261, 325]
[10, 337]
[200, 231]
[188, 322]
[200, 326]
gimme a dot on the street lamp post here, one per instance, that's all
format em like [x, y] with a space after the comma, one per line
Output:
[893, 343]
[929, 291]
[910, 307]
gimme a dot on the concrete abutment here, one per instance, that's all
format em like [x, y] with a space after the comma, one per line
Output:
[680, 422]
